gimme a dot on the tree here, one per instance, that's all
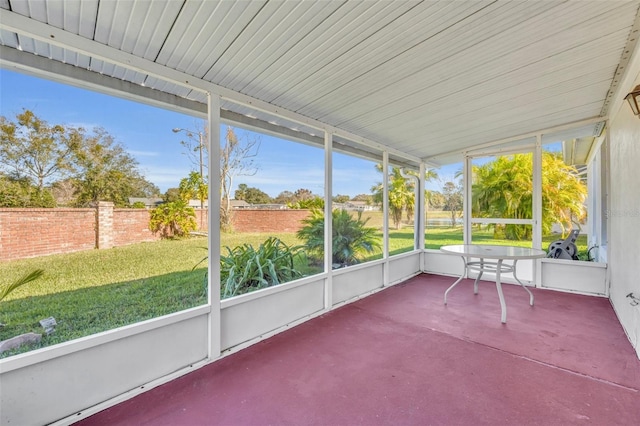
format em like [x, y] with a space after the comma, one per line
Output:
[452, 200]
[31, 148]
[436, 199]
[340, 198]
[401, 194]
[563, 194]
[236, 159]
[141, 187]
[307, 203]
[303, 194]
[193, 187]
[173, 220]
[503, 188]
[256, 196]
[241, 192]
[352, 239]
[284, 197]
[367, 198]
[104, 170]
[172, 194]
[252, 195]
[64, 191]
[20, 193]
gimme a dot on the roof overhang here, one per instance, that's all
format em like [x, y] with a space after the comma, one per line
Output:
[424, 81]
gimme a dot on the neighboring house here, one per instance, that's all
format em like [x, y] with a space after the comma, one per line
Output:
[149, 203]
[243, 205]
[356, 206]
[196, 203]
[239, 204]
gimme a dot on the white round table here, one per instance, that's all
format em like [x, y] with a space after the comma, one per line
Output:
[496, 255]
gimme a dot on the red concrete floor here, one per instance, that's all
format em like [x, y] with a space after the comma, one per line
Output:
[400, 357]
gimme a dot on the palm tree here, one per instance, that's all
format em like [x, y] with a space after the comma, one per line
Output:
[352, 239]
[401, 193]
[503, 188]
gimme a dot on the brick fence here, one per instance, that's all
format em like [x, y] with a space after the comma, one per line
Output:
[28, 233]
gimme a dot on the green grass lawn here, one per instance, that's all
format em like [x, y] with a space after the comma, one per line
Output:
[98, 290]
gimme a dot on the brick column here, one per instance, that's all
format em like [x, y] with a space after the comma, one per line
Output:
[104, 224]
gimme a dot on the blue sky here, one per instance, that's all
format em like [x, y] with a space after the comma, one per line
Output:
[146, 132]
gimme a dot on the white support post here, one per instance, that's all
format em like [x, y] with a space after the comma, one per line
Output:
[466, 206]
[213, 130]
[537, 193]
[385, 216]
[328, 222]
[537, 208]
[421, 208]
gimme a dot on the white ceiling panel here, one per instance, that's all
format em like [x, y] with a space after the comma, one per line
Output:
[425, 78]
[8, 38]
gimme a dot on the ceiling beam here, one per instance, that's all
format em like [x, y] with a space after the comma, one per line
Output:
[40, 66]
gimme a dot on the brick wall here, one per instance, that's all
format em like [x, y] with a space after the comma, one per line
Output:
[246, 220]
[131, 226]
[38, 232]
[28, 233]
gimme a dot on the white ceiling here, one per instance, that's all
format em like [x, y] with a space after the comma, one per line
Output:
[424, 78]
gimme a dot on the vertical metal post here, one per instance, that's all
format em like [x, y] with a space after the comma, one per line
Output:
[537, 208]
[467, 180]
[385, 217]
[215, 344]
[537, 193]
[421, 207]
[328, 222]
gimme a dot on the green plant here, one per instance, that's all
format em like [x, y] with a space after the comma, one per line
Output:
[175, 219]
[352, 239]
[138, 205]
[504, 188]
[246, 269]
[27, 278]
[308, 203]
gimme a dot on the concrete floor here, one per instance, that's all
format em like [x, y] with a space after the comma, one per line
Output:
[402, 357]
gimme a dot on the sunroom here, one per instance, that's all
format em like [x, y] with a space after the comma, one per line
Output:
[409, 87]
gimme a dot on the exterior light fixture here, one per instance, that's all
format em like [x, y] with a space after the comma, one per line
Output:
[634, 100]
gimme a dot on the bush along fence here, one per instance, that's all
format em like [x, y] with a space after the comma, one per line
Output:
[28, 233]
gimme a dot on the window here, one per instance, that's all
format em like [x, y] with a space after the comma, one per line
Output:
[443, 205]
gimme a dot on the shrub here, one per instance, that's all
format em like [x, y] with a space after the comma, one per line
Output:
[138, 205]
[245, 269]
[173, 220]
[309, 203]
[352, 239]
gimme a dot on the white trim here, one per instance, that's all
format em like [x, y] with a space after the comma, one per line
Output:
[385, 218]
[566, 126]
[502, 151]
[83, 414]
[328, 219]
[263, 292]
[215, 333]
[490, 220]
[630, 74]
[466, 199]
[65, 348]
[537, 194]
[365, 265]
[421, 212]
